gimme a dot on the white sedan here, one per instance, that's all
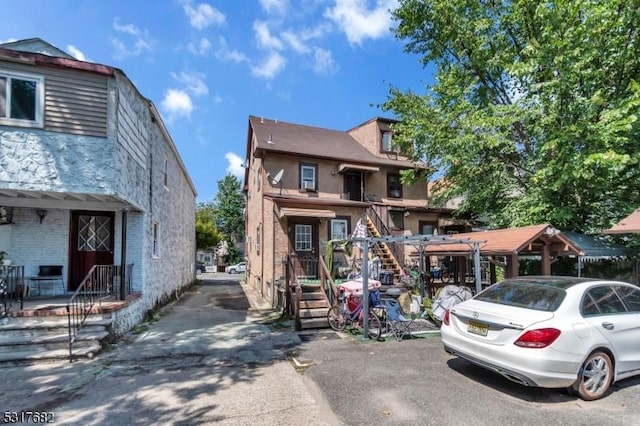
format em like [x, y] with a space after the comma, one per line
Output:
[551, 332]
[237, 268]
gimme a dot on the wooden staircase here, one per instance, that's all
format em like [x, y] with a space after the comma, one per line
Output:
[387, 260]
[46, 338]
[313, 308]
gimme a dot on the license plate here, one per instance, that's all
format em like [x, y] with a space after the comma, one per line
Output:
[478, 328]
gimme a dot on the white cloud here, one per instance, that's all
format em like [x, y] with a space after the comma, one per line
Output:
[143, 42]
[277, 6]
[235, 165]
[194, 82]
[296, 43]
[217, 99]
[270, 67]
[125, 28]
[264, 38]
[203, 15]
[224, 53]
[358, 22]
[323, 62]
[200, 48]
[177, 103]
[76, 53]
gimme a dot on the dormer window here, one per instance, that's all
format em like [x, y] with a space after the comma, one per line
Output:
[387, 141]
[21, 99]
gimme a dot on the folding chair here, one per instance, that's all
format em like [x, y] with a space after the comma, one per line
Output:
[396, 321]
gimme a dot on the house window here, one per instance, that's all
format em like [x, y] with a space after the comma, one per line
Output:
[308, 174]
[258, 239]
[21, 99]
[387, 141]
[303, 238]
[396, 219]
[339, 228]
[394, 186]
[165, 172]
[155, 249]
[427, 228]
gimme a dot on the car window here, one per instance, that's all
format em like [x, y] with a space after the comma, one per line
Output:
[604, 298]
[630, 296]
[528, 295]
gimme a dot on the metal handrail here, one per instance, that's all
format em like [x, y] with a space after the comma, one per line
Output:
[384, 230]
[12, 287]
[101, 281]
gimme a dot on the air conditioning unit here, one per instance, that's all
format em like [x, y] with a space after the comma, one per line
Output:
[309, 186]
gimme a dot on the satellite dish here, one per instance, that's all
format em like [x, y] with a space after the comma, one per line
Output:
[278, 177]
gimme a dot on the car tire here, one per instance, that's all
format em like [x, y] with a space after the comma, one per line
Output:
[232, 271]
[595, 377]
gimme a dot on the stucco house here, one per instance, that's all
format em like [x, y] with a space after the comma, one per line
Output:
[306, 186]
[89, 175]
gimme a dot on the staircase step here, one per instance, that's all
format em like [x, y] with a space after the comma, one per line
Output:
[314, 313]
[312, 296]
[314, 323]
[87, 351]
[310, 304]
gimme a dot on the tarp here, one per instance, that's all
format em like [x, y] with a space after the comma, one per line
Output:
[594, 248]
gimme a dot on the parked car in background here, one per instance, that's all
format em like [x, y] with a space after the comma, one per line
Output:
[237, 268]
[551, 332]
[200, 267]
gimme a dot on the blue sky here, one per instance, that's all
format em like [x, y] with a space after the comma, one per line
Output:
[208, 65]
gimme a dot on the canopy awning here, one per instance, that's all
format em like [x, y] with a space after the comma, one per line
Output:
[595, 249]
[344, 167]
[291, 211]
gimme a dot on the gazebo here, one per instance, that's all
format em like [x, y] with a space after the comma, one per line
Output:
[537, 240]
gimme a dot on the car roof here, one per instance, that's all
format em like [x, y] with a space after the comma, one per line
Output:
[561, 282]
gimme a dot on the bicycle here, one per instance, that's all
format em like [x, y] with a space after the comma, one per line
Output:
[343, 315]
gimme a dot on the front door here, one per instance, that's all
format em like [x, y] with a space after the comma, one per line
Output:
[304, 243]
[90, 243]
[353, 185]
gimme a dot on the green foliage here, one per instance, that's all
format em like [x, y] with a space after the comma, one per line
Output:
[533, 113]
[229, 208]
[207, 235]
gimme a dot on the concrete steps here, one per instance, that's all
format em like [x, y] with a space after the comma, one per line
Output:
[47, 338]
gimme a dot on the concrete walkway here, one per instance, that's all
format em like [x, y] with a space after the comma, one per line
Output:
[208, 358]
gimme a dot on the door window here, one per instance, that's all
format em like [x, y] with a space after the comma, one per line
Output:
[94, 233]
[303, 238]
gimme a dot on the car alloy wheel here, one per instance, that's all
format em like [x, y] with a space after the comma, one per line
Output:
[595, 377]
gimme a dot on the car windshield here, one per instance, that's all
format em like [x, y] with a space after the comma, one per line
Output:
[535, 295]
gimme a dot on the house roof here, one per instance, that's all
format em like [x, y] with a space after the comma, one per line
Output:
[296, 139]
[628, 225]
[38, 52]
[594, 248]
[510, 241]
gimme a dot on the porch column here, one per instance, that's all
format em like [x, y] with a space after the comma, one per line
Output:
[123, 255]
[513, 266]
[546, 260]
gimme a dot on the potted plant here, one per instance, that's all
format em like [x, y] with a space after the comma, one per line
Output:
[3, 258]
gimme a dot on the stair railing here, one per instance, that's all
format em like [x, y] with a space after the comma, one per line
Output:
[394, 247]
[12, 287]
[102, 281]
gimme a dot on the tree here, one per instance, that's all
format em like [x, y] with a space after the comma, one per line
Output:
[207, 235]
[533, 113]
[229, 214]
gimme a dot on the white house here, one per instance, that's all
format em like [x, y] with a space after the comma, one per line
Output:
[89, 175]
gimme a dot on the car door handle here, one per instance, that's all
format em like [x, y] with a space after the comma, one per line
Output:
[607, 325]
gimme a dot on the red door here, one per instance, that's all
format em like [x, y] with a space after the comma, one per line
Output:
[90, 243]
